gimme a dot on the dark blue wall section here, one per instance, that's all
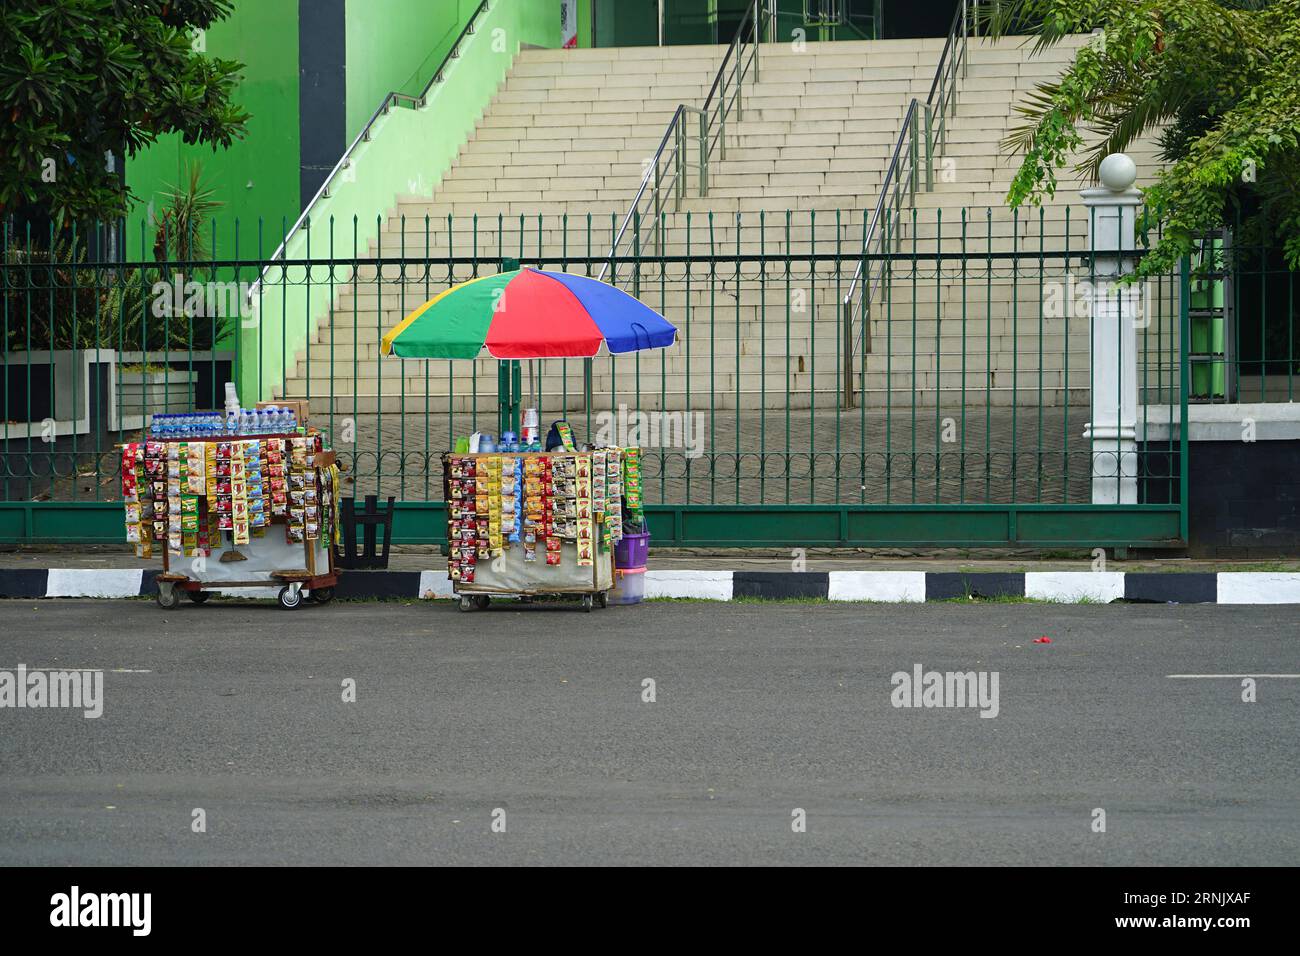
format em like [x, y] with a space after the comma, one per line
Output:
[322, 91]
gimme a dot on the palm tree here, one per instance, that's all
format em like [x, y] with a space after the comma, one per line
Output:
[1217, 80]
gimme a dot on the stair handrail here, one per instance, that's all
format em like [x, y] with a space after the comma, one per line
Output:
[391, 99]
[726, 90]
[953, 61]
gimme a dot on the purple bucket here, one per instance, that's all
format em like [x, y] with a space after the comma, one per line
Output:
[631, 550]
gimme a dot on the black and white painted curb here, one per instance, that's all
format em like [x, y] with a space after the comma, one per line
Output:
[1102, 587]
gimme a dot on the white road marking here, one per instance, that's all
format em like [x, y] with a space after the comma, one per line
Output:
[111, 670]
[1228, 676]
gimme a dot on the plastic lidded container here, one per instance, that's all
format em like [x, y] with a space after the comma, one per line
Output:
[629, 586]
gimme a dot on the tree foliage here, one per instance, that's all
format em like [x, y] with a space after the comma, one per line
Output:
[1218, 81]
[81, 78]
[54, 298]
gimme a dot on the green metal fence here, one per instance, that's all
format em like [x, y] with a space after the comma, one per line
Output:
[972, 375]
[1243, 323]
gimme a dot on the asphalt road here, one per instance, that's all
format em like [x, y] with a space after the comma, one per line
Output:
[760, 709]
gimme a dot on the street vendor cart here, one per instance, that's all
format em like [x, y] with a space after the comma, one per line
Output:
[535, 524]
[234, 511]
[524, 522]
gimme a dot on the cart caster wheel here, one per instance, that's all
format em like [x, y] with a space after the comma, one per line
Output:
[322, 595]
[198, 597]
[586, 603]
[464, 604]
[167, 597]
[290, 598]
[481, 601]
[602, 599]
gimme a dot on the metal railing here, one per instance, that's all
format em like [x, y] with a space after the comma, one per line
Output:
[980, 411]
[666, 172]
[901, 181]
[392, 99]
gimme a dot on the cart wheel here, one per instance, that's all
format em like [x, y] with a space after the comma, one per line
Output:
[602, 599]
[465, 602]
[481, 601]
[167, 597]
[198, 597]
[586, 603]
[322, 595]
[289, 597]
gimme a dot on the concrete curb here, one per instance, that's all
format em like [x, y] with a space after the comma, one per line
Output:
[1070, 587]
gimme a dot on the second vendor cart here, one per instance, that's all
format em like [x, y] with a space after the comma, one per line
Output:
[518, 315]
[533, 524]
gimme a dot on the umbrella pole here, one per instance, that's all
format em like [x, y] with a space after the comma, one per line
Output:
[516, 394]
[503, 397]
[510, 385]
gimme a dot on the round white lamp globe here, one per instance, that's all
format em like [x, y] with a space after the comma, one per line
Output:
[1118, 172]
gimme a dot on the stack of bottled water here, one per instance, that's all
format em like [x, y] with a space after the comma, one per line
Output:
[278, 421]
[247, 421]
[263, 421]
[183, 426]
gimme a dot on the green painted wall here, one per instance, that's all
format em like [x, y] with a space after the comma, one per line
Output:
[390, 45]
[407, 145]
[257, 176]
[395, 45]
[584, 23]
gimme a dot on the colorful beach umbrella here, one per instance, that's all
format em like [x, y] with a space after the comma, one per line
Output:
[529, 314]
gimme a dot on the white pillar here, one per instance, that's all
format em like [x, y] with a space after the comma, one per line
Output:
[1112, 427]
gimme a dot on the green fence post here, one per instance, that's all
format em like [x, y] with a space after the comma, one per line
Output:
[503, 397]
[1184, 327]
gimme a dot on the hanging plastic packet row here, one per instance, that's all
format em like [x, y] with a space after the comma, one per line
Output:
[513, 488]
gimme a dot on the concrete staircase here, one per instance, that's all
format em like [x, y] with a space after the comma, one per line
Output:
[564, 146]
[1015, 349]
[569, 135]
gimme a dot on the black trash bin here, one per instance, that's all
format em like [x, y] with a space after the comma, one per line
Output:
[370, 519]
